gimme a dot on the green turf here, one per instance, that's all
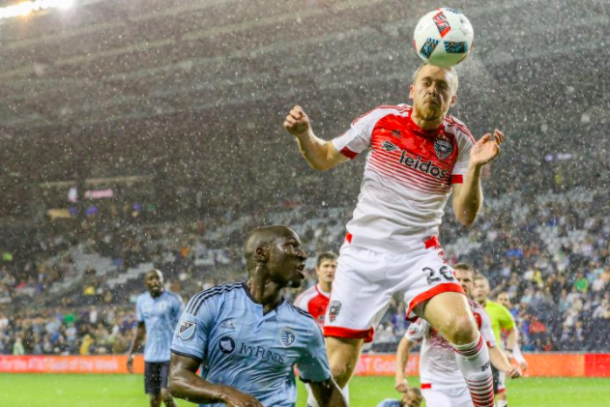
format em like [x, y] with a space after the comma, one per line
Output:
[127, 391]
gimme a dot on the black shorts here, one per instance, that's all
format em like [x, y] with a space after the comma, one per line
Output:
[155, 376]
[496, 375]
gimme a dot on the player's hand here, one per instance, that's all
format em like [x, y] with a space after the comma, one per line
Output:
[487, 148]
[514, 372]
[297, 122]
[236, 398]
[401, 386]
[130, 364]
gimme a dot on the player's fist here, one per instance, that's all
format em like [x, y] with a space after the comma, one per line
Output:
[487, 148]
[297, 122]
[238, 399]
[130, 364]
[514, 372]
[401, 386]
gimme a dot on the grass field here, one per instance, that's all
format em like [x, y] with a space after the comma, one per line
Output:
[127, 391]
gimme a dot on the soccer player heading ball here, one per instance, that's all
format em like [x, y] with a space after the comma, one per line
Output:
[419, 156]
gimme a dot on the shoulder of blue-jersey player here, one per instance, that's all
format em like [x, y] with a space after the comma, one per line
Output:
[308, 333]
[220, 291]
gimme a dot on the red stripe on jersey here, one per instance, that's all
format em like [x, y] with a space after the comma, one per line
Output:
[395, 162]
[407, 181]
[348, 153]
[457, 179]
[425, 386]
[410, 174]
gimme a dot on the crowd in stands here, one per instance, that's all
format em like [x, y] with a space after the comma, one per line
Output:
[549, 252]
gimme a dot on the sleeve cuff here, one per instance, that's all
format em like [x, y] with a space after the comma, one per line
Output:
[198, 360]
[348, 153]
[457, 179]
[313, 381]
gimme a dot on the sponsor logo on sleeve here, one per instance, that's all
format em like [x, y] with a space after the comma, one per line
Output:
[186, 330]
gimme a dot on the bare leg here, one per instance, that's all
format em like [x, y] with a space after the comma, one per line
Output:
[167, 398]
[343, 356]
[450, 313]
[155, 400]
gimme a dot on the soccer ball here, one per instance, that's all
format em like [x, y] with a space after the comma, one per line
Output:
[443, 37]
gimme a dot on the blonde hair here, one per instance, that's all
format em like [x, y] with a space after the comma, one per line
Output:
[455, 82]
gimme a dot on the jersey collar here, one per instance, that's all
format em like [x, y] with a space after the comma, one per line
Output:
[322, 292]
[251, 297]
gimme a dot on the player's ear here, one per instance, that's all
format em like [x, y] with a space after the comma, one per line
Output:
[261, 255]
[453, 100]
[411, 92]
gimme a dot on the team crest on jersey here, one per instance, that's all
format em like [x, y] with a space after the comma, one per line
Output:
[333, 310]
[443, 148]
[228, 324]
[163, 305]
[227, 345]
[187, 330]
[287, 337]
[387, 146]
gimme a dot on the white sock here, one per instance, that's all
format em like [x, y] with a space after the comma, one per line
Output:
[502, 403]
[473, 361]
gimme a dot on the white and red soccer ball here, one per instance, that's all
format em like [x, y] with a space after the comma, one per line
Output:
[443, 37]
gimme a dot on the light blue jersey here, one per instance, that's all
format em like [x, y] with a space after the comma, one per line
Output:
[160, 315]
[238, 346]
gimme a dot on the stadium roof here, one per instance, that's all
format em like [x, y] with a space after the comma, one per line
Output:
[109, 86]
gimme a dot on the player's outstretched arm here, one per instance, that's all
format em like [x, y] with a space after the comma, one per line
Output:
[320, 154]
[140, 333]
[500, 362]
[402, 357]
[468, 197]
[185, 384]
[328, 394]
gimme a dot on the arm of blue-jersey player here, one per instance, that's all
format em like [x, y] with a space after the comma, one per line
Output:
[185, 384]
[313, 363]
[139, 337]
[328, 394]
[137, 340]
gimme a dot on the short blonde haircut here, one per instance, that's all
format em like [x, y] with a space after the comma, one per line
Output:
[454, 83]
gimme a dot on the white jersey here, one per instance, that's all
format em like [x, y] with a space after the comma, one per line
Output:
[315, 301]
[437, 362]
[407, 178]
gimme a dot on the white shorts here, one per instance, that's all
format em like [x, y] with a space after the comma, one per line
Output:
[447, 397]
[366, 281]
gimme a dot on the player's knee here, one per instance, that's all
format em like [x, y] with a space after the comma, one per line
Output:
[155, 399]
[341, 372]
[166, 395]
[462, 330]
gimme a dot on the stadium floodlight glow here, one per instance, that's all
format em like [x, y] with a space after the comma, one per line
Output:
[27, 7]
